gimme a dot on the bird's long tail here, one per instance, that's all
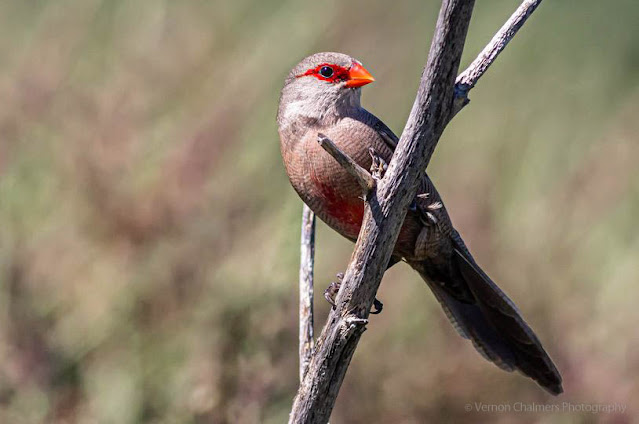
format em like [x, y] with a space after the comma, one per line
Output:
[481, 312]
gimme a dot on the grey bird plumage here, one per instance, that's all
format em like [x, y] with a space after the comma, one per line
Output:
[312, 103]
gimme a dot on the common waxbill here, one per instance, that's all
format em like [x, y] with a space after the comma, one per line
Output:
[322, 95]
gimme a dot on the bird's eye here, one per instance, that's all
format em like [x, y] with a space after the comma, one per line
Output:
[326, 71]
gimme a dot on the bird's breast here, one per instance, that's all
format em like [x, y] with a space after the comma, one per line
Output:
[337, 207]
[322, 183]
[332, 193]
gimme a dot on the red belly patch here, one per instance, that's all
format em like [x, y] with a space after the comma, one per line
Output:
[347, 211]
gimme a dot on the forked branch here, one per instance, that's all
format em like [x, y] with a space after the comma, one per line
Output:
[439, 98]
[467, 79]
[384, 212]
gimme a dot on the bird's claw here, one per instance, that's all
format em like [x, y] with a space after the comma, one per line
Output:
[330, 294]
[331, 291]
[378, 166]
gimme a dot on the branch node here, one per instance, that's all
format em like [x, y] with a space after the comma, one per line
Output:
[468, 79]
[461, 91]
[363, 177]
[461, 97]
[354, 321]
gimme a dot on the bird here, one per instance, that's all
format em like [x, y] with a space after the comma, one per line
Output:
[321, 96]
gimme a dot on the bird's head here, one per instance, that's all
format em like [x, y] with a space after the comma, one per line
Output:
[323, 85]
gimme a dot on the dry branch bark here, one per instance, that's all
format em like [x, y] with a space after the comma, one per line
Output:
[440, 96]
[384, 212]
[307, 263]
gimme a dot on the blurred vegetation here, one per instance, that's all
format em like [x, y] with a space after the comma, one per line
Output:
[149, 236]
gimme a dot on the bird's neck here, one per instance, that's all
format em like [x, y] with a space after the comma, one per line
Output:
[321, 108]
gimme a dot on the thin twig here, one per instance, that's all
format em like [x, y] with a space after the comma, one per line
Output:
[307, 263]
[467, 79]
[363, 177]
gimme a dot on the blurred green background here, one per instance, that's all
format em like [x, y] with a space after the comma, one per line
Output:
[149, 236]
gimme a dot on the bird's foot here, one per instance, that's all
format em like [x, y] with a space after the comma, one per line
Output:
[331, 291]
[330, 294]
[379, 165]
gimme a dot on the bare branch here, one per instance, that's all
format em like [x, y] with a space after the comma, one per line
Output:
[384, 213]
[439, 98]
[307, 263]
[467, 79]
[363, 177]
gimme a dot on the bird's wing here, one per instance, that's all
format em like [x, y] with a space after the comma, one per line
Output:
[386, 133]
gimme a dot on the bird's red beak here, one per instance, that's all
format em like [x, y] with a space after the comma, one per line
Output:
[358, 76]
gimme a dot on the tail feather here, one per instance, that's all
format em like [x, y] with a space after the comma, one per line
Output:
[481, 312]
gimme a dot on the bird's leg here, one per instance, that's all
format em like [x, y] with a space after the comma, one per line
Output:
[378, 166]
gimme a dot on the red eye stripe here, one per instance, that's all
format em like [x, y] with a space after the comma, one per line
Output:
[339, 73]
